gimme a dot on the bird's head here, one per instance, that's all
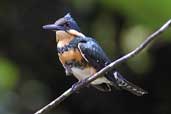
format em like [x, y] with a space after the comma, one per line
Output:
[65, 23]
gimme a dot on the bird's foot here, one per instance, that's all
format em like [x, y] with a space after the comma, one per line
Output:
[78, 85]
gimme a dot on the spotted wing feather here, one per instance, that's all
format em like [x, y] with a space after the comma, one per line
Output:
[93, 54]
[96, 57]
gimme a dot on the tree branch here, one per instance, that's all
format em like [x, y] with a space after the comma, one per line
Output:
[86, 81]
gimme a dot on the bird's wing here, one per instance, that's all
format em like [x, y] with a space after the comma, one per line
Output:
[95, 56]
[93, 53]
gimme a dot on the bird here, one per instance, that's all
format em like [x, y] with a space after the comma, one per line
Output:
[82, 56]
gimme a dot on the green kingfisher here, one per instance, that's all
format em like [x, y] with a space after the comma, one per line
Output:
[82, 56]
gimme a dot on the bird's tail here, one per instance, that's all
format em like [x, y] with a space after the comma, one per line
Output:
[122, 83]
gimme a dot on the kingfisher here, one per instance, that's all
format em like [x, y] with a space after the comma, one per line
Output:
[82, 56]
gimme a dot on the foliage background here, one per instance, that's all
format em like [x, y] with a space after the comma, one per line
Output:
[31, 75]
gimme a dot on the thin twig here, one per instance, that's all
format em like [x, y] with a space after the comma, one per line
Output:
[86, 81]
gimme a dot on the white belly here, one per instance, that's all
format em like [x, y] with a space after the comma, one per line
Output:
[81, 74]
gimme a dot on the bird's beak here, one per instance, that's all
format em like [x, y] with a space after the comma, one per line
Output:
[52, 27]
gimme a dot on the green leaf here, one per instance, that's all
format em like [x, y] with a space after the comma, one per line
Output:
[9, 74]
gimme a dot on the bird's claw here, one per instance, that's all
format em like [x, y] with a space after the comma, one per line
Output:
[76, 86]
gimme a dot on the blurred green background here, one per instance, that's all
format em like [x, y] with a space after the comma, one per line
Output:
[31, 75]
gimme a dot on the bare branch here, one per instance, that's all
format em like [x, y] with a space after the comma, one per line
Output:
[86, 81]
